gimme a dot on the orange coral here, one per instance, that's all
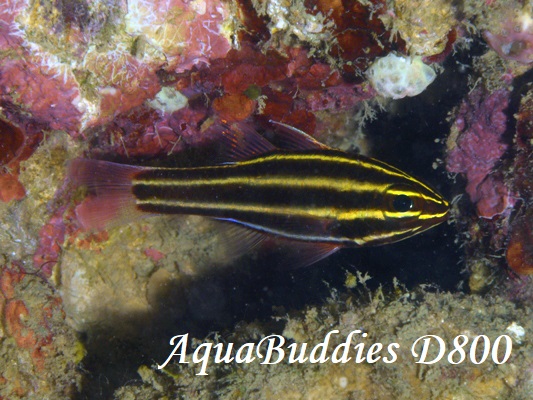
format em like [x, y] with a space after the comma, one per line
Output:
[11, 188]
[234, 107]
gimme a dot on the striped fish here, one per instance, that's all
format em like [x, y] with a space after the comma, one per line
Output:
[317, 198]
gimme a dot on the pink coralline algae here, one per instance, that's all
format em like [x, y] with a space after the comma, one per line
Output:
[125, 82]
[9, 33]
[50, 98]
[477, 146]
[51, 237]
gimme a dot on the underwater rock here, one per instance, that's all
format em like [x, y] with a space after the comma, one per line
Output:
[423, 24]
[520, 247]
[401, 321]
[122, 273]
[32, 331]
[506, 28]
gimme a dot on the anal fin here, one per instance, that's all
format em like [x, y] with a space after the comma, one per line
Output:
[297, 254]
[239, 239]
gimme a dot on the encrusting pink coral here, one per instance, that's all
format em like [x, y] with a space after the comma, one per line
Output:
[476, 147]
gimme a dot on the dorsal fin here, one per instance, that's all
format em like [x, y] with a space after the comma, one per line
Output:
[291, 138]
[241, 142]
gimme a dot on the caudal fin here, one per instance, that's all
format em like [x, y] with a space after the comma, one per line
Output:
[111, 200]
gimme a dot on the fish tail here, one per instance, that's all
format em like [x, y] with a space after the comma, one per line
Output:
[109, 184]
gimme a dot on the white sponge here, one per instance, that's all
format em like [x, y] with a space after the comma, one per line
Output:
[396, 76]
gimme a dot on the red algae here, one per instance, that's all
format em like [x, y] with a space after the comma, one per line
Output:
[234, 107]
[360, 33]
[10, 188]
[520, 248]
[154, 254]
[50, 98]
[12, 146]
[11, 142]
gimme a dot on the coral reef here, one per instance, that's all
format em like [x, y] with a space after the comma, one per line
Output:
[71, 69]
[491, 146]
[425, 25]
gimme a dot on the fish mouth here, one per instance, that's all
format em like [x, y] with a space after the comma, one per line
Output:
[436, 211]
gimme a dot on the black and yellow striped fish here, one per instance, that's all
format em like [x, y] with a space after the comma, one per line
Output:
[316, 197]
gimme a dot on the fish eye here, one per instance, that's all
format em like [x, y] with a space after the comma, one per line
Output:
[402, 203]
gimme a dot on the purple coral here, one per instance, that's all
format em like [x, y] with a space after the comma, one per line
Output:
[480, 124]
